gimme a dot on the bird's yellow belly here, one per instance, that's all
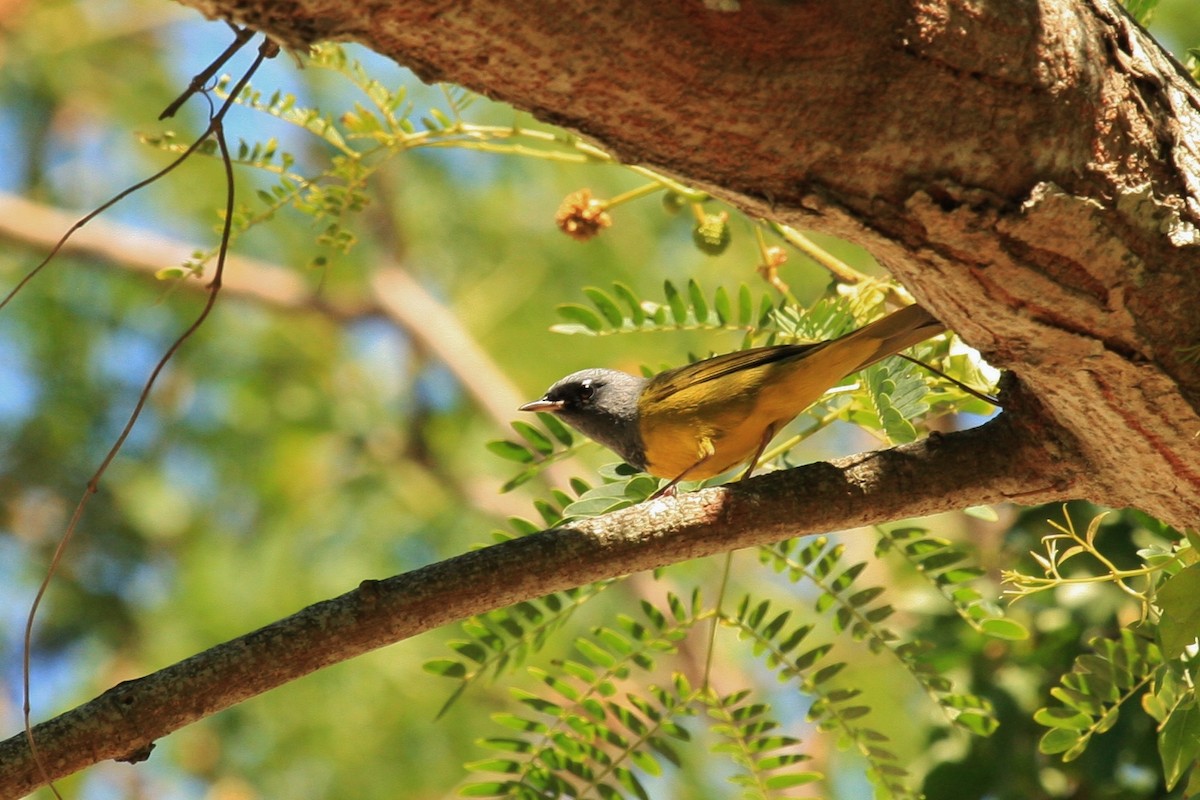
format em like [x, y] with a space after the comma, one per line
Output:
[696, 434]
[700, 450]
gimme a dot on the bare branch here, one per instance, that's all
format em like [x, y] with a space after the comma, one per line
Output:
[395, 296]
[997, 462]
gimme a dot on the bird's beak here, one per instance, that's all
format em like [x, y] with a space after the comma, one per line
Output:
[543, 405]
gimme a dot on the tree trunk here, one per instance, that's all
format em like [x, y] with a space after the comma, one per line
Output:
[1029, 170]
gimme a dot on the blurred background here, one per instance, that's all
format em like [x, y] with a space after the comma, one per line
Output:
[313, 434]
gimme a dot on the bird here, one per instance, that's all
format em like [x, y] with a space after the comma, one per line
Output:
[702, 419]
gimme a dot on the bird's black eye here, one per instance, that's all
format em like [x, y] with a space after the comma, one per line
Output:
[586, 391]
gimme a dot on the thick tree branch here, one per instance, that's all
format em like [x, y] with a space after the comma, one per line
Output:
[1030, 170]
[984, 465]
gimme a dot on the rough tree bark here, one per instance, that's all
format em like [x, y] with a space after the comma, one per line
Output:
[1030, 170]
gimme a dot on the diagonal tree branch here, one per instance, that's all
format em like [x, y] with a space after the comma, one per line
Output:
[1002, 460]
[394, 295]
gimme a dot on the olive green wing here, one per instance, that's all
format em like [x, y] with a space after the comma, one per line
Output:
[665, 384]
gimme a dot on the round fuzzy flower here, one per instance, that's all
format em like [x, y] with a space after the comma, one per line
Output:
[582, 216]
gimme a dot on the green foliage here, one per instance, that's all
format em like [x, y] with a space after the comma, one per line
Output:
[577, 735]
[623, 311]
[586, 733]
[752, 740]
[358, 141]
[1141, 10]
[948, 566]
[502, 640]
[1171, 702]
[536, 451]
[1084, 562]
[1153, 662]
[1093, 692]
[896, 393]
[1178, 601]
[855, 611]
[836, 708]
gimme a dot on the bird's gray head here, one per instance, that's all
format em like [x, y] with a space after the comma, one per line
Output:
[601, 404]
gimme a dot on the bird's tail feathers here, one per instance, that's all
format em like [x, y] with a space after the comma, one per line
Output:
[898, 331]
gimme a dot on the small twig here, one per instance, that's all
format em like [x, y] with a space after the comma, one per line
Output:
[119, 196]
[712, 634]
[240, 37]
[770, 260]
[215, 128]
[840, 269]
[634, 194]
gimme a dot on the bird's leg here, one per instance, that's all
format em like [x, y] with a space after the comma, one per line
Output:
[767, 436]
[708, 450]
[670, 489]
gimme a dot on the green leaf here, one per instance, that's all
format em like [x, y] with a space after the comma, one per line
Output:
[594, 654]
[606, 306]
[537, 440]
[518, 723]
[826, 673]
[637, 313]
[978, 724]
[582, 315]
[1002, 628]
[489, 789]
[557, 429]
[494, 765]
[1179, 599]
[472, 650]
[595, 505]
[1059, 740]
[745, 307]
[445, 667]
[765, 311]
[1108, 719]
[1062, 717]
[510, 451]
[790, 779]
[676, 302]
[699, 304]
[945, 558]
[721, 306]
[1179, 744]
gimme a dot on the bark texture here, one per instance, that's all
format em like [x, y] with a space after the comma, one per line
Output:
[1030, 170]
